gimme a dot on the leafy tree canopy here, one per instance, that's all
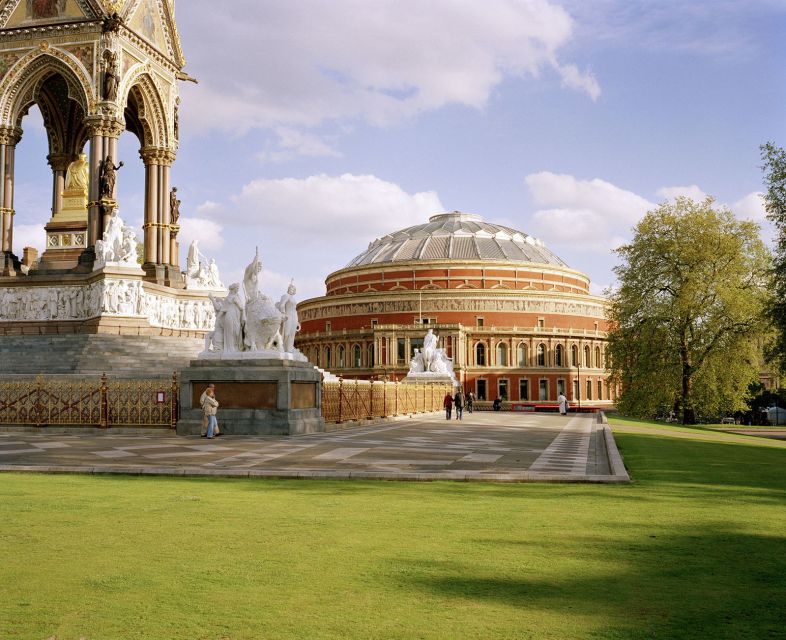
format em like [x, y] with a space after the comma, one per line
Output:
[687, 318]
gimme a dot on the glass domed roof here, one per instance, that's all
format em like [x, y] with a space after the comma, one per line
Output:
[457, 236]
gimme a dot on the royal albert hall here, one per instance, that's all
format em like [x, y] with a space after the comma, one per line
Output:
[518, 323]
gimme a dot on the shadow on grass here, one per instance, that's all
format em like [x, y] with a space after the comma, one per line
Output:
[708, 582]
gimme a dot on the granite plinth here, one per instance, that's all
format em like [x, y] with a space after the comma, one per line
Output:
[256, 397]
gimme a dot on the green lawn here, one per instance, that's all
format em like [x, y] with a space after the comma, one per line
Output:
[694, 548]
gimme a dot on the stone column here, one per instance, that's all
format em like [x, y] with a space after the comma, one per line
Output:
[59, 163]
[104, 133]
[9, 138]
[161, 250]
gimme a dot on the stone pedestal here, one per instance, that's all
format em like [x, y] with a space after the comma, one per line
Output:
[66, 233]
[256, 397]
[430, 378]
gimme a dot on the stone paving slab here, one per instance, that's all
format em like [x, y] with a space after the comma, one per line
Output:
[487, 447]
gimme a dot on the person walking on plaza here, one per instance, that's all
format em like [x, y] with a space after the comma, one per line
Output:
[448, 404]
[563, 404]
[216, 430]
[458, 400]
[210, 407]
[497, 404]
[470, 401]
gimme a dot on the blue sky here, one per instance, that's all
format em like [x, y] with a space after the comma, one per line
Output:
[317, 127]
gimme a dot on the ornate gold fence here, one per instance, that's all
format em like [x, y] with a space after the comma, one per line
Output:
[89, 403]
[364, 399]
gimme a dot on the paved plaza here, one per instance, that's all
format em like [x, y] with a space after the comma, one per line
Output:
[512, 447]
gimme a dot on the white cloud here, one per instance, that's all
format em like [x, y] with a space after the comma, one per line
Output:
[672, 193]
[306, 63]
[293, 143]
[750, 207]
[593, 214]
[29, 235]
[336, 208]
[207, 233]
[575, 79]
[307, 227]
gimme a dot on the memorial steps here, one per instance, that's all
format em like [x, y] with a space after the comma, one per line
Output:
[94, 354]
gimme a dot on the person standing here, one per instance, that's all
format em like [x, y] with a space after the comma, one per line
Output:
[470, 401]
[216, 430]
[458, 400]
[210, 408]
[563, 404]
[448, 404]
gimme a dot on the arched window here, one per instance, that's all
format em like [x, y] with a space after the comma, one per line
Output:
[558, 356]
[341, 361]
[370, 359]
[356, 356]
[326, 363]
[480, 354]
[574, 356]
[522, 355]
[587, 362]
[541, 354]
[502, 354]
[598, 362]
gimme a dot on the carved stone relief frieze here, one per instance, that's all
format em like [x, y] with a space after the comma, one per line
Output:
[109, 297]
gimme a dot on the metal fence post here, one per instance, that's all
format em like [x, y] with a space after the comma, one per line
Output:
[104, 424]
[175, 400]
[340, 397]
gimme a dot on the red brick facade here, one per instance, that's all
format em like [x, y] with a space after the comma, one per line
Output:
[519, 330]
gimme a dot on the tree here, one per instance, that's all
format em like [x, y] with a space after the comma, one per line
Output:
[775, 204]
[689, 311]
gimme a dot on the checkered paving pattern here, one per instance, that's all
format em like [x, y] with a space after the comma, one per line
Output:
[482, 443]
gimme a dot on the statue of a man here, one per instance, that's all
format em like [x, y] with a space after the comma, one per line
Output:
[110, 76]
[289, 323]
[251, 279]
[77, 174]
[108, 177]
[174, 206]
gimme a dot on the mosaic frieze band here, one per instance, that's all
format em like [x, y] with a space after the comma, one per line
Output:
[414, 305]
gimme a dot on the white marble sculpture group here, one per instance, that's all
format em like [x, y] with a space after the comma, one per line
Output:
[430, 361]
[253, 326]
[201, 275]
[118, 245]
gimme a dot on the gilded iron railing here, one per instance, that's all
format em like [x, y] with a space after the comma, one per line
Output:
[100, 402]
[364, 399]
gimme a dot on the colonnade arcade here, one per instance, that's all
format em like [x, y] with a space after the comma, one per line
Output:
[108, 68]
[73, 127]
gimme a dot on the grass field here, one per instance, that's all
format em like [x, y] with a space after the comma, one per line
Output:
[694, 548]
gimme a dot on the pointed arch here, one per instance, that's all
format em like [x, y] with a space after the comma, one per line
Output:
[21, 86]
[142, 101]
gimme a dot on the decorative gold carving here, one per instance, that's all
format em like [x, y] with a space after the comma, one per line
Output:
[10, 135]
[18, 87]
[104, 126]
[157, 156]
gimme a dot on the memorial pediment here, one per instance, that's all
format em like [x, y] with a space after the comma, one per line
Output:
[33, 13]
